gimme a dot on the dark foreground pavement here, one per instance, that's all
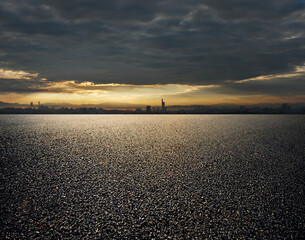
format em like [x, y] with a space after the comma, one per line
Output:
[145, 177]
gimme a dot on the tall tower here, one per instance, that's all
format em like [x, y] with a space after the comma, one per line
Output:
[163, 105]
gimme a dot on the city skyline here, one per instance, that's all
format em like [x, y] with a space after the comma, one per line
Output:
[32, 108]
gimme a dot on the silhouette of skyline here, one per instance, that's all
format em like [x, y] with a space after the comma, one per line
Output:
[162, 109]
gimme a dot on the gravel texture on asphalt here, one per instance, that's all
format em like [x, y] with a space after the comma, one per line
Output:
[152, 176]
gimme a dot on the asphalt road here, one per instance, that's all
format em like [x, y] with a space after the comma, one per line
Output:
[152, 176]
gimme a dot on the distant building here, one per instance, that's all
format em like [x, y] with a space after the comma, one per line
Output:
[163, 108]
[148, 109]
[139, 110]
[199, 107]
[243, 109]
[31, 105]
[43, 108]
[285, 108]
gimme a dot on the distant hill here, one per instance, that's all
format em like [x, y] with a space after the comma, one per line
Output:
[6, 105]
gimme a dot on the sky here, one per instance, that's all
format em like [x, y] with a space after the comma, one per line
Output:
[135, 52]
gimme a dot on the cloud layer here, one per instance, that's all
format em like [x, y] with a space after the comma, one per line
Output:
[209, 42]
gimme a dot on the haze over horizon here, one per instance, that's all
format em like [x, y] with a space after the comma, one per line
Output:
[135, 52]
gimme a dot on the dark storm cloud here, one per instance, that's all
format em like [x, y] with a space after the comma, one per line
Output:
[150, 42]
[20, 86]
[276, 87]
